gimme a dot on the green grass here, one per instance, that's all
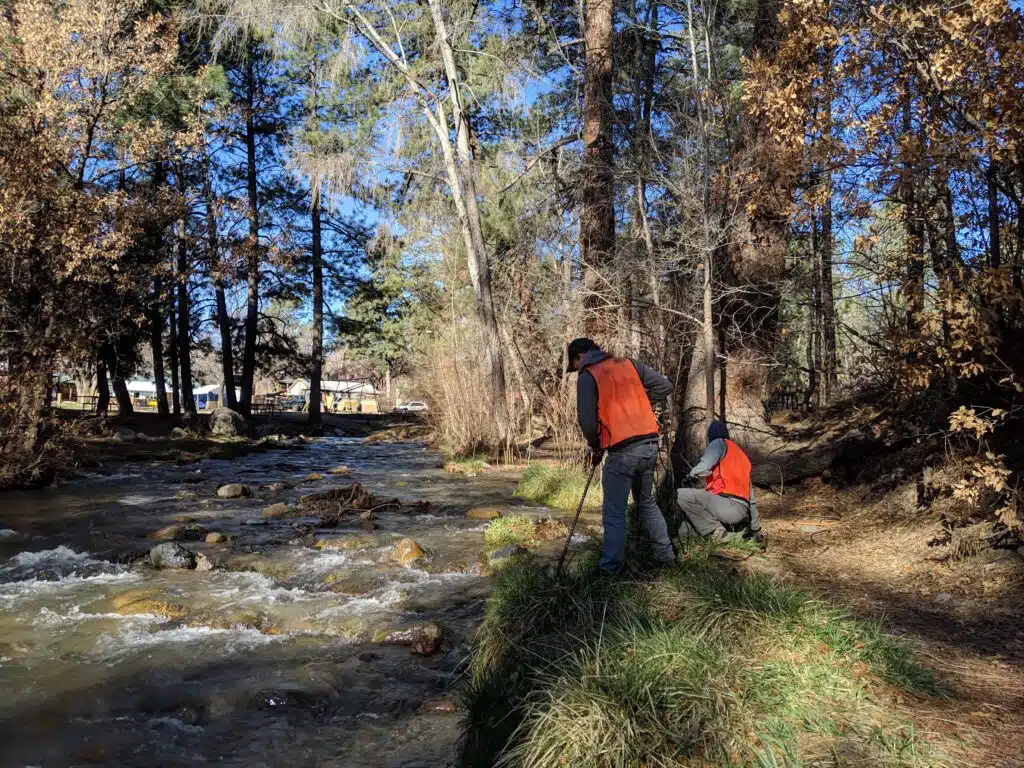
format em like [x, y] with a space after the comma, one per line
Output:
[559, 486]
[465, 465]
[697, 666]
[505, 531]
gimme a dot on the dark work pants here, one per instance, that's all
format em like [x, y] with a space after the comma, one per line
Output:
[630, 469]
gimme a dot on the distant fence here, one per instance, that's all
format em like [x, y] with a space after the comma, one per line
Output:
[791, 400]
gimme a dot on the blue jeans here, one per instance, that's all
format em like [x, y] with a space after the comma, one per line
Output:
[631, 469]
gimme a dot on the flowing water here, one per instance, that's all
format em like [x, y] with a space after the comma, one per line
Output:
[275, 657]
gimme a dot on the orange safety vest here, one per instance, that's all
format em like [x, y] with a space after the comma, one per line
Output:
[623, 409]
[731, 476]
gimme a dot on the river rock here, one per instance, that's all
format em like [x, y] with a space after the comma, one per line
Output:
[178, 433]
[423, 638]
[171, 555]
[11, 536]
[445, 706]
[342, 470]
[277, 487]
[505, 555]
[316, 477]
[216, 537]
[483, 513]
[408, 551]
[233, 491]
[367, 526]
[136, 602]
[124, 434]
[276, 511]
[180, 532]
[203, 563]
[226, 423]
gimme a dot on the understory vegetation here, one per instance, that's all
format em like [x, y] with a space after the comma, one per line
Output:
[697, 665]
[560, 486]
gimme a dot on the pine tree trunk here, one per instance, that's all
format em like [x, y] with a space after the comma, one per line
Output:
[102, 389]
[188, 402]
[156, 342]
[173, 354]
[124, 398]
[597, 214]
[317, 361]
[253, 245]
[827, 301]
[227, 357]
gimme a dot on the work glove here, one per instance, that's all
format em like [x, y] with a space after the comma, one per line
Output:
[596, 457]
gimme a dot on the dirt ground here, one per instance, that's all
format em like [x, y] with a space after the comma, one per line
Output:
[886, 561]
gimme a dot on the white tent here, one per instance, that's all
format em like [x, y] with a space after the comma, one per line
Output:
[140, 388]
[350, 390]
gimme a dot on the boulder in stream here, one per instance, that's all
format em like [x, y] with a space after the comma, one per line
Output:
[483, 513]
[216, 537]
[407, 551]
[341, 470]
[277, 487]
[171, 555]
[227, 423]
[423, 638]
[136, 602]
[233, 491]
[277, 511]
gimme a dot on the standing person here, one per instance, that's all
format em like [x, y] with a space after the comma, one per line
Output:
[613, 405]
[727, 503]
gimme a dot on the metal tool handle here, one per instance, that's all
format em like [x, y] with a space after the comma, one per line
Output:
[572, 530]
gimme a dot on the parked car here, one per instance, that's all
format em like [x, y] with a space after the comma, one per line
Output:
[413, 406]
[293, 403]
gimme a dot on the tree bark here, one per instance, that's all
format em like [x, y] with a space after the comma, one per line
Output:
[102, 388]
[597, 215]
[188, 402]
[826, 297]
[253, 244]
[156, 342]
[317, 361]
[461, 169]
[223, 319]
[124, 398]
[173, 354]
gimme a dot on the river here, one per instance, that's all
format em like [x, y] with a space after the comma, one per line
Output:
[273, 658]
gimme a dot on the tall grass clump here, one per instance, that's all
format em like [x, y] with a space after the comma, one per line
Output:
[697, 666]
[559, 486]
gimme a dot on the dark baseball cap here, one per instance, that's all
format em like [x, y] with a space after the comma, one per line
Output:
[579, 347]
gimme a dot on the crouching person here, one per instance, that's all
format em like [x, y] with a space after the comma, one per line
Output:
[727, 504]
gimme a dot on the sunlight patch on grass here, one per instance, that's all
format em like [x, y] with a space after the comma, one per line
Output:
[699, 665]
[559, 486]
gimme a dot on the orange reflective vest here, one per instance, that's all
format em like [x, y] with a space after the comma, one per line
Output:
[731, 476]
[624, 411]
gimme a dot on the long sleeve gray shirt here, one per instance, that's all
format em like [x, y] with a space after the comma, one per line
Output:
[658, 388]
[713, 454]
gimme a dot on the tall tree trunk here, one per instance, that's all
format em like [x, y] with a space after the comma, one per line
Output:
[188, 402]
[124, 398]
[317, 361]
[826, 299]
[913, 288]
[173, 354]
[227, 357]
[814, 317]
[461, 169]
[156, 342]
[253, 244]
[102, 388]
[597, 215]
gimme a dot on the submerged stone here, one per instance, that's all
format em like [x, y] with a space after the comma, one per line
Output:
[137, 602]
[171, 555]
[342, 470]
[180, 532]
[216, 537]
[445, 706]
[275, 511]
[424, 638]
